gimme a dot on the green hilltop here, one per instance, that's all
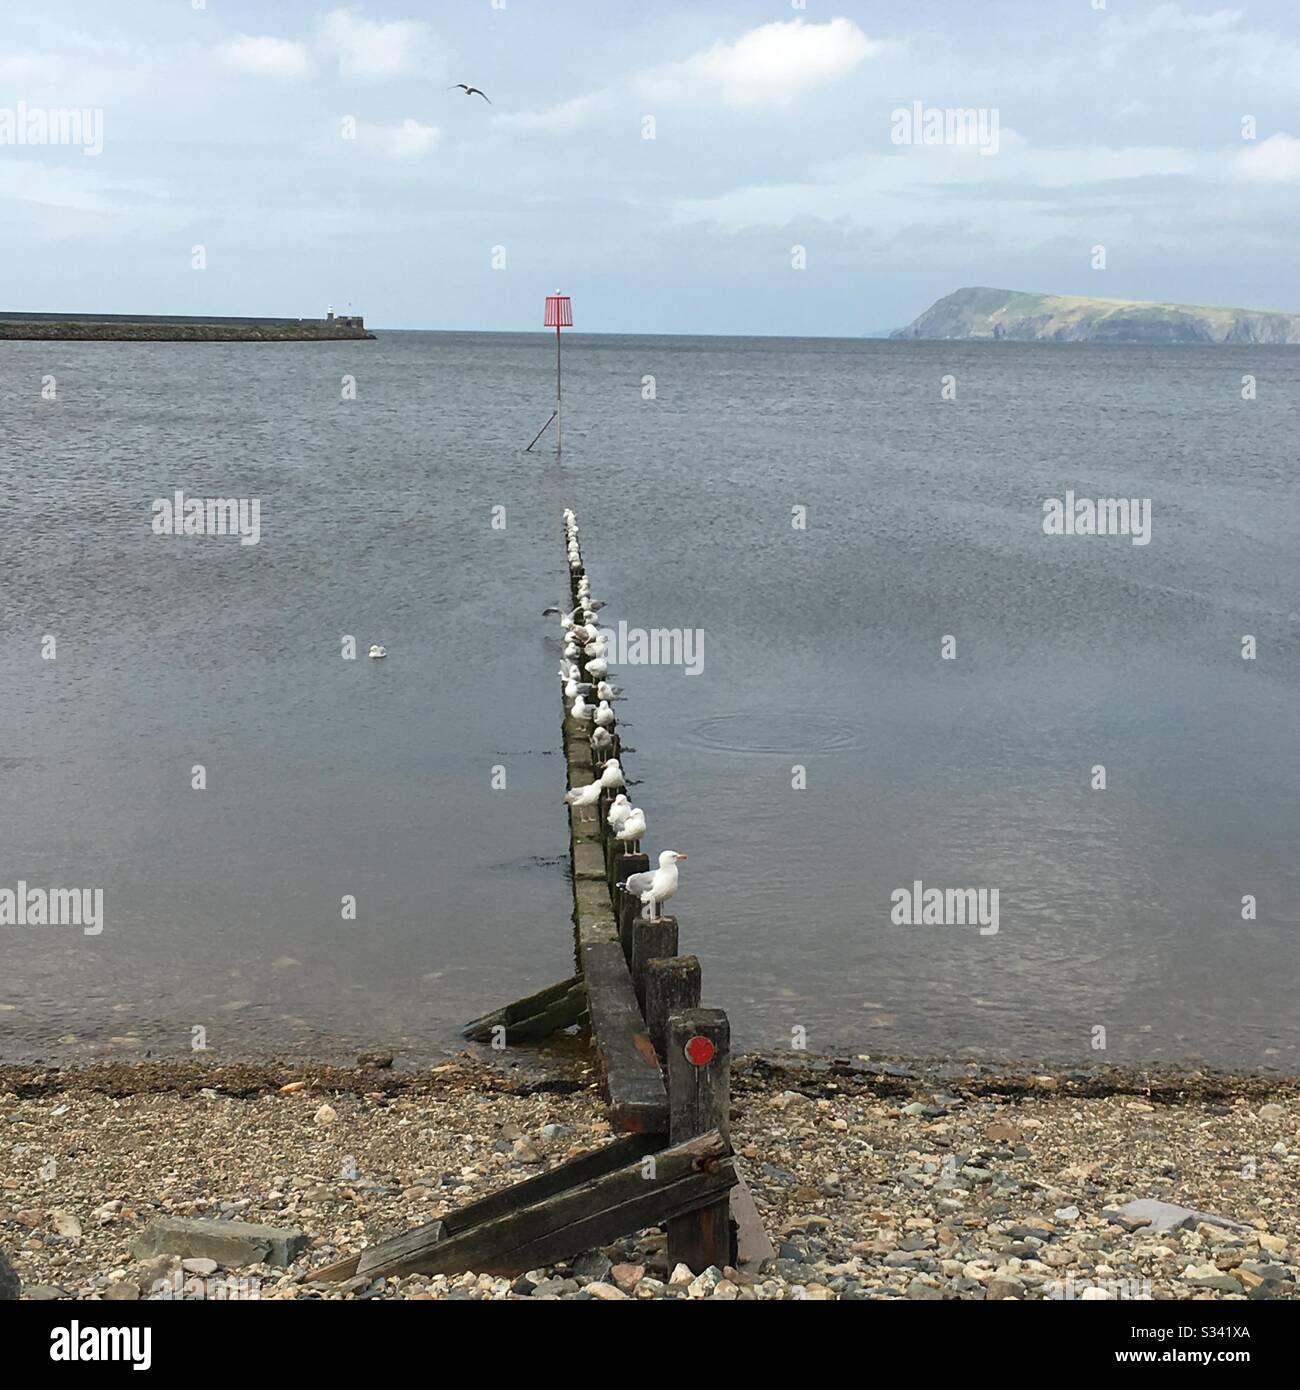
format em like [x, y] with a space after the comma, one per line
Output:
[1014, 315]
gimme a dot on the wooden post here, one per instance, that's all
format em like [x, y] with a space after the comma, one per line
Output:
[626, 907]
[671, 987]
[655, 940]
[699, 1100]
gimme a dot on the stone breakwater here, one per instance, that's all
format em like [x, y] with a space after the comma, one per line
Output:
[145, 332]
[876, 1180]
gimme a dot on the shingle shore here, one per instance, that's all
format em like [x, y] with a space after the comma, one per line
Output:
[875, 1180]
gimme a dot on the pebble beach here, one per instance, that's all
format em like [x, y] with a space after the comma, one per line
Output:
[875, 1178]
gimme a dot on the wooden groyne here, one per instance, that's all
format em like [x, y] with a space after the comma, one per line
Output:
[664, 1065]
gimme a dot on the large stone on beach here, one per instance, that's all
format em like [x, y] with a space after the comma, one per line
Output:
[10, 1284]
[1159, 1217]
[229, 1243]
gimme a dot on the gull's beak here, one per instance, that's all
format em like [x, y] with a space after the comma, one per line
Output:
[683, 856]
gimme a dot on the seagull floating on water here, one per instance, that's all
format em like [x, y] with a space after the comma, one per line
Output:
[377, 651]
[654, 888]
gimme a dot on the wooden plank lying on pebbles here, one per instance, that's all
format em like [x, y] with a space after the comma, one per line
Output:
[630, 1149]
[538, 1228]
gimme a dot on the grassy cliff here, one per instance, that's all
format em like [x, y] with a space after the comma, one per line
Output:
[979, 312]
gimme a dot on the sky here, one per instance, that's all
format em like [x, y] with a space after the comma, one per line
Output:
[734, 167]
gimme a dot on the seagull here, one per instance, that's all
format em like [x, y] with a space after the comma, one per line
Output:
[584, 796]
[377, 651]
[604, 691]
[470, 91]
[581, 710]
[619, 810]
[598, 667]
[611, 777]
[656, 887]
[633, 827]
[604, 715]
[601, 739]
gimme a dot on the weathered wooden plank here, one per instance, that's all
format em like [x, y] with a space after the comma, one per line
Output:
[480, 1029]
[648, 1191]
[629, 1066]
[589, 861]
[576, 1172]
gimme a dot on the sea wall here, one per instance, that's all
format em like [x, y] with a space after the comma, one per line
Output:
[162, 328]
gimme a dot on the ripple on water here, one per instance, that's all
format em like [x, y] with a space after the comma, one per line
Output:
[775, 732]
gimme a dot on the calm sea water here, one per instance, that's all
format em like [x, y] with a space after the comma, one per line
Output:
[1119, 909]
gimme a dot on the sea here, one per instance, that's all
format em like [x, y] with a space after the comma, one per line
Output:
[900, 681]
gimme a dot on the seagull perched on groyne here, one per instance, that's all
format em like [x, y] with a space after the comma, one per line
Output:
[657, 886]
[610, 779]
[633, 827]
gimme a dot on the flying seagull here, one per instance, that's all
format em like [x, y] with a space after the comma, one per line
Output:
[470, 91]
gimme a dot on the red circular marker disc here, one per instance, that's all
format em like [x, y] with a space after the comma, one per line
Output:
[699, 1051]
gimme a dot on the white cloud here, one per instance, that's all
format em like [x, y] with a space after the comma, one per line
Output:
[1170, 17]
[407, 139]
[1275, 160]
[29, 67]
[264, 56]
[374, 49]
[768, 66]
[889, 191]
[566, 115]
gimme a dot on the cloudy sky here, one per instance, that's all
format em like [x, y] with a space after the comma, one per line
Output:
[316, 155]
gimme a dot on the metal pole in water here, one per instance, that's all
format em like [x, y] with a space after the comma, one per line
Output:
[559, 314]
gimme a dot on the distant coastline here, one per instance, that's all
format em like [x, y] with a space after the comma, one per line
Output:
[177, 328]
[979, 312]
